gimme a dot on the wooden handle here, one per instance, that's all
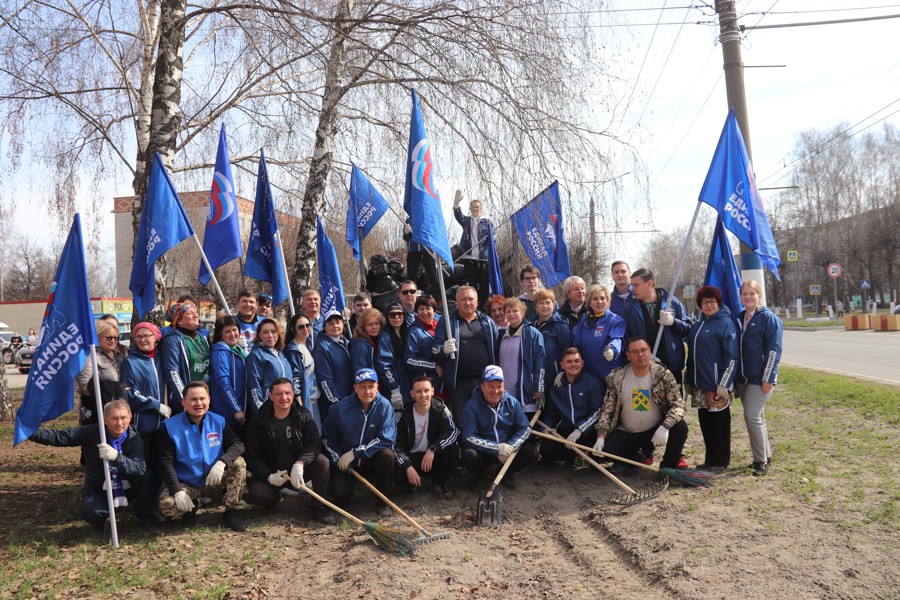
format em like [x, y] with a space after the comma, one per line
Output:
[509, 460]
[613, 456]
[598, 466]
[387, 501]
[333, 507]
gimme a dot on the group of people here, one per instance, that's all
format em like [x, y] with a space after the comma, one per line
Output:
[254, 411]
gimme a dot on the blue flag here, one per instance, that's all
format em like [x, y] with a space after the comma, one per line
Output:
[365, 207]
[539, 225]
[723, 273]
[495, 279]
[263, 250]
[163, 224]
[730, 188]
[420, 199]
[222, 240]
[331, 290]
[67, 334]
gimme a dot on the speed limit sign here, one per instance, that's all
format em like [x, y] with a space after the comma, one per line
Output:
[834, 270]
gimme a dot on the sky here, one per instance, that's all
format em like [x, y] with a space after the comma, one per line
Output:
[673, 103]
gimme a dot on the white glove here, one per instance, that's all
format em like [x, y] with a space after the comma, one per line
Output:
[164, 411]
[397, 400]
[608, 354]
[297, 475]
[215, 474]
[573, 437]
[598, 445]
[277, 478]
[660, 436]
[504, 452]
[722, 392]
[450, 346]
[666, 317]
[345, 460]
[107, 452]
[183, 501]
[407, 228]
[457, 198]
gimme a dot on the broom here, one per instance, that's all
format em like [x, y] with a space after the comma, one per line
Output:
[687, 477]
[390, 540]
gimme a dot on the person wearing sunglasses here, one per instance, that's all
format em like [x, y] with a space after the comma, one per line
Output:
[303, 367]
[264, 308]
[371, 348]
[109, 365]
[409, 293]
[397, 331]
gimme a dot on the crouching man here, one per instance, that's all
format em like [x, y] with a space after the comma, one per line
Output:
[284, 448]
[201, 457]
[124, 450]
[426, 440]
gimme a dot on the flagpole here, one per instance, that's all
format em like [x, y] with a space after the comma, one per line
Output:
[684, 248]
[109, 491]
[362, 263]
[445, 309]
[284, 270]
[212, 275]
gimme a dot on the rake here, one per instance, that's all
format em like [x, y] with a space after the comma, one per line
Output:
[390, 540]
[424, 536]
[627, 496]
[687, 477]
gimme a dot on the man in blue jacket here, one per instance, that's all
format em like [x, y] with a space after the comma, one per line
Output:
[360, 433]
[474, 245]
[494, 427]
[621, 292]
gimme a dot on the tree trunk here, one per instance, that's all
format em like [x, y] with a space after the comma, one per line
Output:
[320, 165]
[6, 411]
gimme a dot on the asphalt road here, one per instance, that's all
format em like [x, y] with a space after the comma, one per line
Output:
[870, 354]
[14, 378]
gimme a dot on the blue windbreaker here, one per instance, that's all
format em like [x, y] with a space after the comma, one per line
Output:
[577, 403]
[557, 337]
[673, 335]
[485, 428]
[760, 347]
[333, 373]
[593, 335]
[227, 382]
[532, 361]
[264, 365]
[713, 352]
[143, 382]
[378, 355]
[348, 427]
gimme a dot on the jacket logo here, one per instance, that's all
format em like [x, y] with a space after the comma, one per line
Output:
[212, 438]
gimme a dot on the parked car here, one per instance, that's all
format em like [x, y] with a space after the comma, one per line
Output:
[24, 357]
[8, 353]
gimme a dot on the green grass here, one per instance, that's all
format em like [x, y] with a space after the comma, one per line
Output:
[870, 400]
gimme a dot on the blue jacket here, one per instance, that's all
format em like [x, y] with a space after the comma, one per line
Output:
[760, 347]
[557, 337]
[420, 354]
[264, 365]
[142, 378]
[465, 242]
[176, 371]
[713, 352]
[378, 355]
[348, 427]
[485, 428]
[227, 382]
[302, 388]
[673, 335]
[616, 304]
[532, 362]
[332, 372]
[592, 336]
[450, 365]
[318, 325]
[577, 403]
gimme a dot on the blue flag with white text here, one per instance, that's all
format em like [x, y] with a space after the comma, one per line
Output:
[495, 279]
[722, 271]
[67, 333]
[222, 240]
[365, 207]
[539, 225]
[331, 289]
[730, 188]
[263, 249]
[420, 199]
[163, 224]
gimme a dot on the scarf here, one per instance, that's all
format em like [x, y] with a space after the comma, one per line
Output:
[429, 327]
[118, 485]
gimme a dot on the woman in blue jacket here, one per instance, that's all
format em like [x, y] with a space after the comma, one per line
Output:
[228, 374]
[266, 363]
[371, 348]
[761, 332]
[520, 353]
[713, 353]
[332, 359]
[303, 366]
[599, 335]
[419, 353]
[555, 330]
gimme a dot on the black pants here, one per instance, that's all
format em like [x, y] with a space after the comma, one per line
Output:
[379, 470]
[95, 507]
[477, 274]
[625, 443]
[262, 493]
[716, 430]
[459, 396]
[427, 281]
[441, 466]
[556, 451]
[477, 463]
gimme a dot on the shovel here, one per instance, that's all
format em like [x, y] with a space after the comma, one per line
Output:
[489, 510]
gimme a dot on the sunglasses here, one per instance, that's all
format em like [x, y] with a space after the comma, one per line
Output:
[409, 292]
[111, 338]
[395, 314]
[303, 325]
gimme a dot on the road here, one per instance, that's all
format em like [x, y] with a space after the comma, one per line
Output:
[14, 378]
[870, 354]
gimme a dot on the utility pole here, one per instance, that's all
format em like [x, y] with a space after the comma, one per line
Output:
[594, 272]
[730, 38]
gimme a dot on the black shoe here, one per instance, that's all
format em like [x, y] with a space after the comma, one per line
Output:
[509, 482]
[324, 515]
[383, 509]
[440, 489]
[189, 519]
[760, 468]
[620, 469]
[148, 526]
[478, 485]
[233, 522]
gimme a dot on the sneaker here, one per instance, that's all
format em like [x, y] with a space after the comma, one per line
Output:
[682, 463]
[509, 482]
[233, 522]
[383, 509]
[760, 468]
[647, 460]
[324, 515]
[189, 519]
[620, 469]
[440, 489]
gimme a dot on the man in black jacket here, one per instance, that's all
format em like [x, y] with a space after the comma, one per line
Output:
[426, 440]
[124, 450]
[284, 447]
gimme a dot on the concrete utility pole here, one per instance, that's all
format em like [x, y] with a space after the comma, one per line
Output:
[730, 38]
[595, 274]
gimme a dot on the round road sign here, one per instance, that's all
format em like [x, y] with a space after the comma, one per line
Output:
[834, 270]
